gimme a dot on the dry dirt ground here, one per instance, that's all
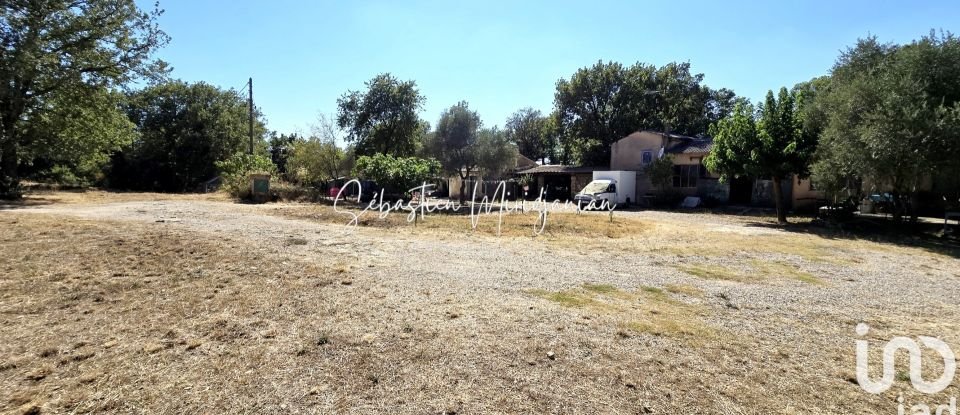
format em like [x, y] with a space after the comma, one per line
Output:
[140, 303]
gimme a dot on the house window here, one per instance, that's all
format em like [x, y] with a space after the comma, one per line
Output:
[646, 158]
[685, 175]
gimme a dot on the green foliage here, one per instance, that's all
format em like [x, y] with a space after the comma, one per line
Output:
[72, 138]
[660, 172]
[773, 142]
[531, 132]
[496, 155]
[384, 118]
[396, 175]
[280, 147]
[455, 140]
[315, 161]
[608, 101]
[235, 171]
[51, 50]
[893, 116]
[184, 130]
[463, 148]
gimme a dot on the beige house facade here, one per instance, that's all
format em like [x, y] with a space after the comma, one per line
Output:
[691, 178]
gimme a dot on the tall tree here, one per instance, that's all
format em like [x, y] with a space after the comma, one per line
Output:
[48, 46]
[604, 103]
[528, 129]
[184, 130]
[892, 113]
[321, 158]
[73, 139]
[608, 101]
[769, 143]
[280, 147]
[455, 142]
[496, 154]
[382, 119]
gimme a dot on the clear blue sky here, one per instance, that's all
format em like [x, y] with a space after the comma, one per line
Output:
[502, 56]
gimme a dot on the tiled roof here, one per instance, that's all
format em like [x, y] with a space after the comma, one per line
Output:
[691, 145]
[559, 168]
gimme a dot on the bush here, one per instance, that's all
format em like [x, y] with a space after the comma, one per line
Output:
[396, 175]
[236, 170]
[660, 172]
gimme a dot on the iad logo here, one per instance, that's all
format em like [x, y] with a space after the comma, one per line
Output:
[889, 368]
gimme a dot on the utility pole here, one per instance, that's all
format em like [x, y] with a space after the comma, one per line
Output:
[250, 102]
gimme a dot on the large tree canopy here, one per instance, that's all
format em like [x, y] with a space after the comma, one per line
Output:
[184, 130]
[464, 148]
[49, 46]
[382, 119]
[771, 142]
[531, 132]
[892, 117]
[73, 136]
[607, 101]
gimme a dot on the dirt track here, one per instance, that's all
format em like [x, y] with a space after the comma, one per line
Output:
[455, 321]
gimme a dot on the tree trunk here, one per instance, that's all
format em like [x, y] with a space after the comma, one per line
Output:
[897, 207]
[914, 203]
[463, 183]
[9, 180]
[778, 200]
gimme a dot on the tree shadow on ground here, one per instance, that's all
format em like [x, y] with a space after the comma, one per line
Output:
[924, 235]
[26, 202]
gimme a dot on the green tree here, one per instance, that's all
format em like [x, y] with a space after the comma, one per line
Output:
[660, 172]
[608, 101]
[383, 119]
[315, 161]
[769, 143]
[184, 130]
[496, 155]
[396, 175]
[52, 46]
[72, 138]
[892, 117]
[280, 147]
[528, 129]
[454, 143]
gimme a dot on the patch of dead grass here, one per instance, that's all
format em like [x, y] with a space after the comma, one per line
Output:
[685, 289]
[716, 272]
[778, 269]
[648, 310]
[759, 271]
[559, 225]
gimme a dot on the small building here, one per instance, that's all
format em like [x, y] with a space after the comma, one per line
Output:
[559, 182]
[486, 185]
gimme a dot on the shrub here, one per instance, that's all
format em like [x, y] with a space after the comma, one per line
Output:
[396, 175]
[660, 172]
[236, 170]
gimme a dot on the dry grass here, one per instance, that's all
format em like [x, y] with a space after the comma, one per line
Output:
[684, 289]
[778, 269]
[91, 196]
[559, 225]
[112, 317]
[717, 272]
[134, 317]
[758, 271]
[647, 310]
